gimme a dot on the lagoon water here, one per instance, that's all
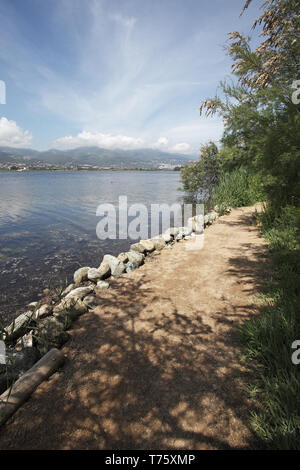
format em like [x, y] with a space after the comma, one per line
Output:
[48, 225]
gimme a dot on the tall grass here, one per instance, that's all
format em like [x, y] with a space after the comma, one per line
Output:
[268, 337]
[236, 189]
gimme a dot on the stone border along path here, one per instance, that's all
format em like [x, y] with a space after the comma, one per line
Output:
[34, 333]
[155, 365]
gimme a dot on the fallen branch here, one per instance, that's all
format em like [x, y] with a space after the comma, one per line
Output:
[21, 390]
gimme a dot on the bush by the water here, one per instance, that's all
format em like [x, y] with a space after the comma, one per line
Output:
[236, 189]
[260, 161]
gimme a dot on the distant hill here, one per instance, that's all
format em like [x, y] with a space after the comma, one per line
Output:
[143, 158]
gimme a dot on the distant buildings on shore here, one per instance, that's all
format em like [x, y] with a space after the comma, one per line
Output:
[20, 167]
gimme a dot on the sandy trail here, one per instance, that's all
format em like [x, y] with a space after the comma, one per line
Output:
[156, 365]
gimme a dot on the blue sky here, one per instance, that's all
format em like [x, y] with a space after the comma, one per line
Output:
[117, 73]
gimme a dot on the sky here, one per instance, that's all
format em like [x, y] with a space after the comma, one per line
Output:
[116, 74]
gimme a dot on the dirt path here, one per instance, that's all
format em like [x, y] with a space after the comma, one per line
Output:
[156, 365]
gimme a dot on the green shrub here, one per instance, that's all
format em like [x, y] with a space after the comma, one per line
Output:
[268, 336]
[239, 188]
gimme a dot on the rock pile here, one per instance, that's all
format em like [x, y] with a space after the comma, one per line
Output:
[44, 326]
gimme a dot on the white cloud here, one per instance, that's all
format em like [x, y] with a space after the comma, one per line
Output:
[124, 21]
[109, 141]
[12, 135]
[181, 148]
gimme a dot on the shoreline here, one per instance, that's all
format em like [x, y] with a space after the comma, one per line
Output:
[45, 323]
[163, 338]
[55, 170]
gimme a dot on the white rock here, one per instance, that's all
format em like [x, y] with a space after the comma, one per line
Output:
[18, 326]
[43, 311]
[123, 257]
[81, 275]
[167, 237]
[117, 267]
[159, 243]
[32, 305]
[135, 256]
[94, 275]
[80, 292]
[148, 245]
[104, 270]
[138, 247]
[68, 289]
[102, 285]
[173, 231]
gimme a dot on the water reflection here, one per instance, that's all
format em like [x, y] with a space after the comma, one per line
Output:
[48, 224]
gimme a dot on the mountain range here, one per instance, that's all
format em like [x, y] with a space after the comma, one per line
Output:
[95, 156]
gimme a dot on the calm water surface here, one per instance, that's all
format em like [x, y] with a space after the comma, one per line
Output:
[48, 225]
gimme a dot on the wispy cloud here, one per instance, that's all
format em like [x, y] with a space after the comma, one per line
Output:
[121, 72]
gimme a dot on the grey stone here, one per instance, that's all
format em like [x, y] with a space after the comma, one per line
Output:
[26, 341]
[117, 267]
[50, 334]
[131, 266]
[69, 309]
[102, 285]
[210, 217]
[123, 257]
[17, 363]
[91, 301]
[81, 275]
[159, 243]
[18, 327]
[138, 247]
[80, 292]
[32, 305]
[135, 256]
[104, 270]
[94, 275]
[43, 311]
[167, 237]
[68, 289]
[196, 223]
[148, 245]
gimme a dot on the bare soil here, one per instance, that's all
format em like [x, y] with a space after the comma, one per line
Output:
[156, 365]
